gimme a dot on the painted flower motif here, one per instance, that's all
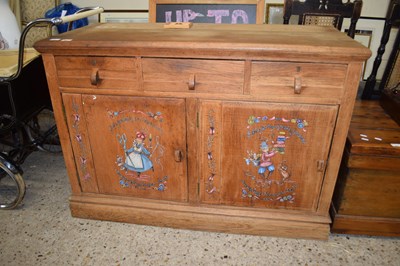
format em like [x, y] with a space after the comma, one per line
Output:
[212, 190]
[264, 118]
[87, 176]
[83, 160]
[251, 120]
[212, 130]
[293, 121]
[161, 187]
[112, 114]
[78, 137]
[156, 116]
[286, 198]
[123, 183]
[76, 118]
[257, 120]
[300, 125]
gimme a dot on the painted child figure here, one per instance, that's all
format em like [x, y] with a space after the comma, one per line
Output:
[137, 157]
[265, 160]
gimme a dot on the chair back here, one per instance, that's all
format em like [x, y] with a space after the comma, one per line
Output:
[31, 10]
[324, 13]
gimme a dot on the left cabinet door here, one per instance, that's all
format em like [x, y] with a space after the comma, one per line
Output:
[136, 146]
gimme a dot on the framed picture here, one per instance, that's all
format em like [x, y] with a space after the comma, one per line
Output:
[374, 28]
[363, 37]
[206, 11]
[274, 14]
[124, 16]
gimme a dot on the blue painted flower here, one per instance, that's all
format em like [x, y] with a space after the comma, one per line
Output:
[264, 118]
[300, 125]
[161, 187]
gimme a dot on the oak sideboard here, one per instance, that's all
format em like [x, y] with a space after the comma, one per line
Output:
[230, 128]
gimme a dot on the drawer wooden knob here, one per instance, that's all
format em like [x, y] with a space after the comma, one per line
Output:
[178, 156]
[297, 84]
[192, 82]
[94, 77]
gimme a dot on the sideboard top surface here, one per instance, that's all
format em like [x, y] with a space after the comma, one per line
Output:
[204, 40]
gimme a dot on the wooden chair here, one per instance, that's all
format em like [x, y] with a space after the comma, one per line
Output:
[392, 19]
[31, 10]
[324, 13]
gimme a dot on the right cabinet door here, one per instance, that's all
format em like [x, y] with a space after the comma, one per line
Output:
[264, 154]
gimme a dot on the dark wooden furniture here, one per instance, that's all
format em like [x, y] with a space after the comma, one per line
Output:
[390, 85]
[366, 198]
[392, 19]
[390, 102]
[323, 13]
[215, 127]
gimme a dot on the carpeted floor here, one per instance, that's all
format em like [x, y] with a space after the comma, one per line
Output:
[42, 232]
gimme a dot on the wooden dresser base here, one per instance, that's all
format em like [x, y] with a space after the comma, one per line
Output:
[215, 219]
[359, 225]
[366, 194]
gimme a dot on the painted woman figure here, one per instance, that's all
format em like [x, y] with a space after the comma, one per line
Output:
[265, 160]
[137, 157]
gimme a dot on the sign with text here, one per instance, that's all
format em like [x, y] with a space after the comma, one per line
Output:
[227, 12]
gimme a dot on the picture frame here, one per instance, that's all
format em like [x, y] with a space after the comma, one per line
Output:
[375, 27]
[364, 37]
[274, 13]
[155, 5]
[124, 16]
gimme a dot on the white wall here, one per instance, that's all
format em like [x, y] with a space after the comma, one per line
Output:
[371, 8]
[116, 4]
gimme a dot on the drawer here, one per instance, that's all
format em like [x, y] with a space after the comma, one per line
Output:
[97, 72]
[184, 75]
[311, 80]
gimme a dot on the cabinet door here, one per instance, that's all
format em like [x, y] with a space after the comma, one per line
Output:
[264, 154]
[137, 145]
